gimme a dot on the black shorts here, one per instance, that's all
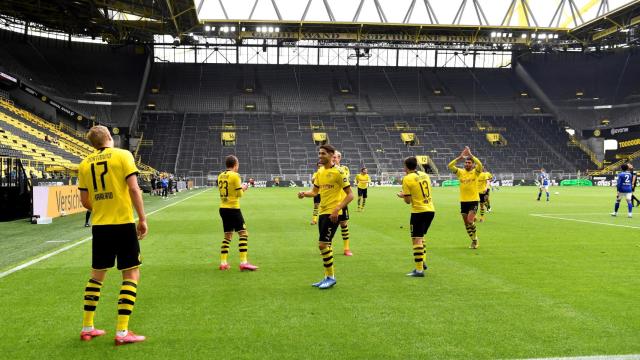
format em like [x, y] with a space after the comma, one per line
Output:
[420, 223]
[362, 192]
[488, 190]
[345, 214]
[111, 242]
[232, 220]
[316, 199]
[153, 185]
[468, 206]
[483, 197]
[326, 228]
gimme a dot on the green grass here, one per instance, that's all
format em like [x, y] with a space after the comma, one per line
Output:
[537, 287]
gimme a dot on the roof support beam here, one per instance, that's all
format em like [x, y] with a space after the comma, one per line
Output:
[409, 12]
[173, 17]
[357, 15]
[306, 9]
[253, 9]
[458, 17]
[430, 12]
[275, 7]
[223, 10]
[383, 17]
[329, 12]
[480, 13]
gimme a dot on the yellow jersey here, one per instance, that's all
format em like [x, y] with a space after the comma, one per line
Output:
[418, 185]
[103, 174]
[230, 188]
[468, 180]
[482, 181]
[346, 172]
[330, 183]
[363, 181]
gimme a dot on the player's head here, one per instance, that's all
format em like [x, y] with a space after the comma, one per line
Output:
[231, 162]
[541, 169]
[337, 157]
[468, 163]
[325, 154]
[364, 170]
[410, 163]
[99, 137]
[624, 167]
[630, 165]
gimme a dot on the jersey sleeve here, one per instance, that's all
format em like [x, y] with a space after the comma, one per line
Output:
[236, 185]
[128, 164]
[452, 166]
[344, 180]
[478, 164]
[82, 181]
[406, 190]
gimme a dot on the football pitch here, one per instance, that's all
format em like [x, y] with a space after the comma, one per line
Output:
[549, 280]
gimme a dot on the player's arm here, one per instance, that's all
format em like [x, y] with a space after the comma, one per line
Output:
[310, 193]
[405, 194]
[84, 199]
[452, 165]
[237, 186]
[131, 171]
[138, 204]
[334, 214]
[84, 190]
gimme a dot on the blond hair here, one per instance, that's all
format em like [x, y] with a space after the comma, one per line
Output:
[98, 136]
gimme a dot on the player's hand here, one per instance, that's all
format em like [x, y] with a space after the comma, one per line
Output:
[400, 195]
[301, 195]
[334, 216]
[468, 151]
[142, 229]
[245, 187]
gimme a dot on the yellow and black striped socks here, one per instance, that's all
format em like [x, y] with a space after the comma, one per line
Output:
[243, 246]
[224, 251]
[126, 300]
[418, 256]
[345, 236]
[482, 206]
[327, 260]
[315, 214]
[359, 202]
[364, 201]
[471, 230]
[91, 298]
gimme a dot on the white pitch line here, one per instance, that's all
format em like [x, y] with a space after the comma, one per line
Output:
[595, 357]
[584, 221]
[57, 241]
[71, 246]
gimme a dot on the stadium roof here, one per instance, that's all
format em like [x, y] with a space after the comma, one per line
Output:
[531, 13]
[551, 23]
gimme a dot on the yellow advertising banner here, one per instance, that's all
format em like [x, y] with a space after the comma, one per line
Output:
[55, 201]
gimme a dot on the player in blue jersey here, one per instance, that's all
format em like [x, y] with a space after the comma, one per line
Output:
[543, 183]
[624, 186]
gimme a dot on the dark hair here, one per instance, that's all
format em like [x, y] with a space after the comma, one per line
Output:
[328, 148]
[624, 167]
[468, 158]
[363, 168]
[411, 163]
[230, 161]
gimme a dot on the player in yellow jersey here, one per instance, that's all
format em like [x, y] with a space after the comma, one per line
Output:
[335, 194]
[108, 184]
[469, 198]
[363, 179]
[416, 190]
[316, 199]
[231, 189]
[344, 217]
[483, 192]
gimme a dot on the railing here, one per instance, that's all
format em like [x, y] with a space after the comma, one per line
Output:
[594, 158]
[615, 165]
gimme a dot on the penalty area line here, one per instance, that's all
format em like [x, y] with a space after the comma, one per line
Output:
[79, 242]
[584, 221]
